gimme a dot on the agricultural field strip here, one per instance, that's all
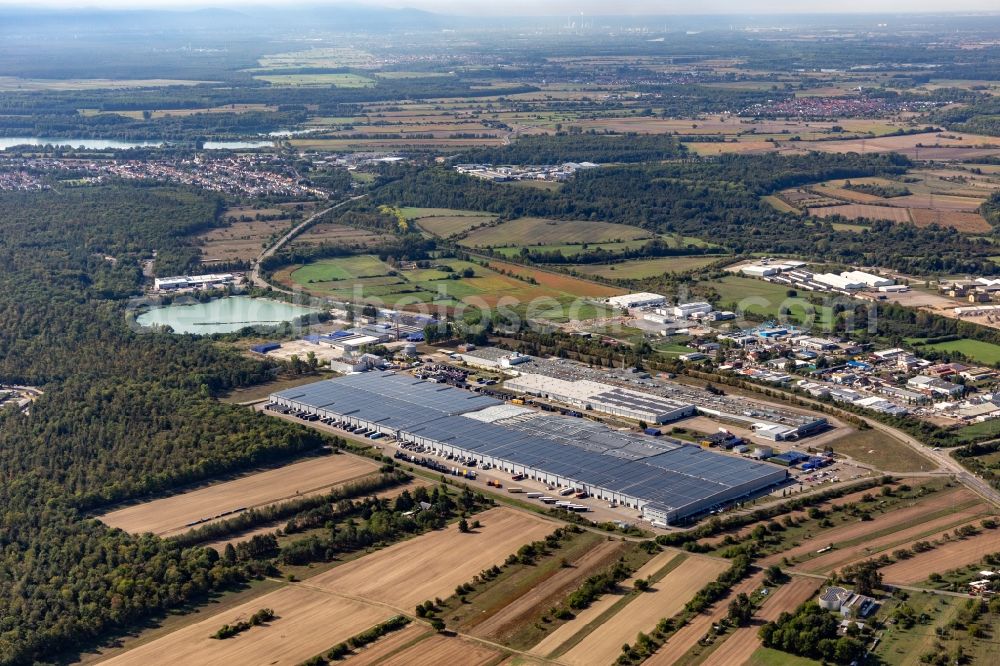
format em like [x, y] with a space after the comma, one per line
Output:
[490, 626]
[681, 642]
[956, 553]
[551, 643]
[883, 524]
[617, 606]
[666, 599]
[437, 649]
[742, 643]
[307, 622]
[172, 515]
[390, 645]
[743, 532]
[433, 564]
[866, 549]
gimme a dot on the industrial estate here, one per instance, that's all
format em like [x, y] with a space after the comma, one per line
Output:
[386, 337]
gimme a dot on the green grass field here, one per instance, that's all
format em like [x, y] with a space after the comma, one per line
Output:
[528, 231]
[366, 278]
[346, 268]
[445, 226]
[976, 431]
[873, 447]
[765, 298]
[977, 350]
[637, 269]
[768, 657]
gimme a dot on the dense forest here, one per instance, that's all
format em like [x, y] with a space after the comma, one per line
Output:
[123, 415]
[718, 200]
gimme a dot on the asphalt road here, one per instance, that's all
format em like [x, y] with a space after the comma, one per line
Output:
[255, 278]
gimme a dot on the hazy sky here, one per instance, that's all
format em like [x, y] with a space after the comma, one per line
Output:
[564, 7]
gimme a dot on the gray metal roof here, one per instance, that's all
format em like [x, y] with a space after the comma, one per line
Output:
[662, 471]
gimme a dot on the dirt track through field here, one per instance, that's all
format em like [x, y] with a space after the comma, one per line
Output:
[437, 650]
[689, 635]
[557, 585]
[550, 643]
[389, 645]
[951, 555]
[171, 515]
[856, 530]
[308, 622]
[839, 557]
[433, 564]
[666, 599]
[738, 648]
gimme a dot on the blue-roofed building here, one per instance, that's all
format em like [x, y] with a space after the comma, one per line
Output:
[667, 480]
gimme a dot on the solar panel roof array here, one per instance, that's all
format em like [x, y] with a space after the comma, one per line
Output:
[671, 475]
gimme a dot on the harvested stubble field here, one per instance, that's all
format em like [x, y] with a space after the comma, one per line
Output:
[688, 636]
[239, 241]
[957, 553]
[642, 268]
[740, 646]
[307, 623]
[665, 599]
[171, 515]
[863, 212]
[437, 649]
[966, 222]
[946, 501]
[557, 586]
[925, 146]
[527, 231]
[337, 234]
[395, 642]
[557, 282]
[431, 565]
[551, 643]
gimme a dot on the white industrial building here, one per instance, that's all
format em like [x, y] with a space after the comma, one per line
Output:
[493, 358]
[643, 299]
[193, 281]
[604, 398]
[688, 310]
[867, 279]
[838, 281]
[759, 270]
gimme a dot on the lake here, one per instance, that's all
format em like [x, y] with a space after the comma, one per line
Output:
[93, 144]
[237, 145]
[223, 315]
[111, 144]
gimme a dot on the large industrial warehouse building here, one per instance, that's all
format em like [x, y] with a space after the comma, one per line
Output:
[604, 398]
[665, 479]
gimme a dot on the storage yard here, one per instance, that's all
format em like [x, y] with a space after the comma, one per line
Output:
[667, 480]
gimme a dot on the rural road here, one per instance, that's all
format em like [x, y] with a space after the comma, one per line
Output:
[255, 278]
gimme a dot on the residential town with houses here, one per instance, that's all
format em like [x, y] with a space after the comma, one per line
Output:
[505, 173]
[243, 174]
[891, 381]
